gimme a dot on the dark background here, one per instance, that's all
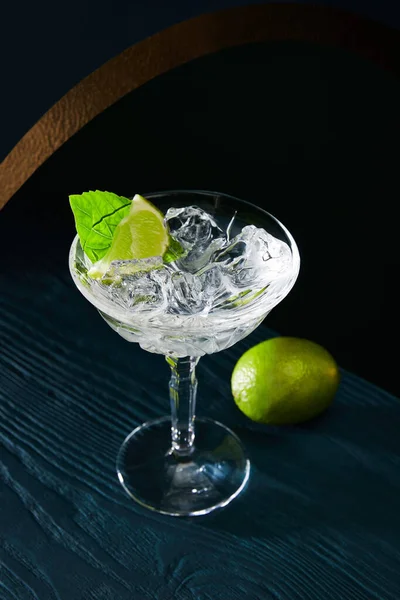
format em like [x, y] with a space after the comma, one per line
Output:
[47, 47]
[308, 132]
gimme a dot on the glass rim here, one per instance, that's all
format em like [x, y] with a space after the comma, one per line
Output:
[250, 311]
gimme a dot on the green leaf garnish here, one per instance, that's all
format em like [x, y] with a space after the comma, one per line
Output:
[174, 251]
[97, 214]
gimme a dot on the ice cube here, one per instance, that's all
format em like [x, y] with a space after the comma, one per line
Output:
[185, 293]
[198, 233]
[216, 286]
[121, 268]
[192, 225]
[142, 291]
[200, 256]
[255, 257]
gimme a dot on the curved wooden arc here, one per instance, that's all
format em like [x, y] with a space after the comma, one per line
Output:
[179, 44]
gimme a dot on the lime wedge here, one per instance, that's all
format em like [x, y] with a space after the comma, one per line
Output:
[141, 234]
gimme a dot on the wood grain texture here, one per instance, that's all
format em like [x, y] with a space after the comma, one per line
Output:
[182, 43]
[319, 519]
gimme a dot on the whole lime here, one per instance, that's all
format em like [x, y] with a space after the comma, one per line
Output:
[284, 380]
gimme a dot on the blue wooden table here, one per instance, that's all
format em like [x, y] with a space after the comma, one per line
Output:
[320, 518]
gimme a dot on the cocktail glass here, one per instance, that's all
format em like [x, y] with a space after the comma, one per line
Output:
[182, 465]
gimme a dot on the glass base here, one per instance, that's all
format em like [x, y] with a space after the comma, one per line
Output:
[216, 471]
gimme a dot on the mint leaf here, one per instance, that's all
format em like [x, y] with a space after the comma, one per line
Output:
[97, 214]
[174, 251]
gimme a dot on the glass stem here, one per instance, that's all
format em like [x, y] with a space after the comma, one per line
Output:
[182, 393]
